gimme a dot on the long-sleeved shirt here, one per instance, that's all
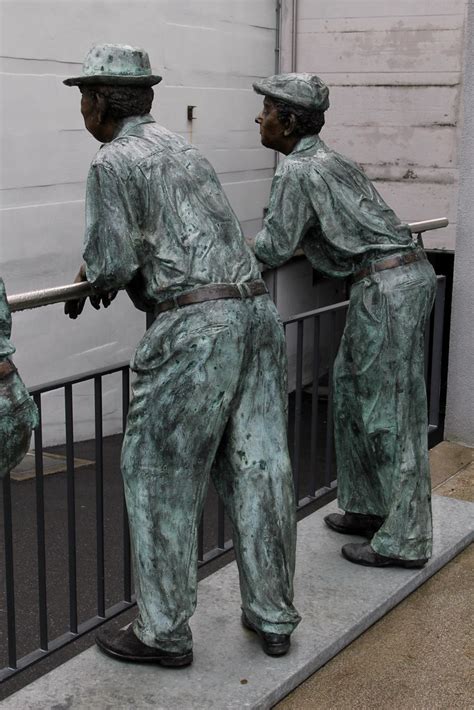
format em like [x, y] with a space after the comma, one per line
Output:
[323, 203]
[6, 347]
[157, 218]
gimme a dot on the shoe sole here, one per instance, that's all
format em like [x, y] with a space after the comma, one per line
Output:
[177, 662]
[409, 564]
[277, 652]
[365, 532]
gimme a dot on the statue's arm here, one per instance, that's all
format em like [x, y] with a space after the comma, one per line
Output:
[289, 217]
[110, 259]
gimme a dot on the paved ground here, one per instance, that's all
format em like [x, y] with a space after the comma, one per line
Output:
[420, 656]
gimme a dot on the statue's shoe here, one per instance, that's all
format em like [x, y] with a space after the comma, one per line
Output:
[362, 554]
[124, 645]
[272, 644]
[354, 523]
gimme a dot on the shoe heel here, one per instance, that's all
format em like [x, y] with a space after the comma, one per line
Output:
[414, 564]
[177, 662]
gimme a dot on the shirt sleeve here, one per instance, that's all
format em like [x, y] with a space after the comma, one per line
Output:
[6, 348]
[290, 215]
[111, 230]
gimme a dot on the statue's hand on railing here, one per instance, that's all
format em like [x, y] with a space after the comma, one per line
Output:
[74, 307]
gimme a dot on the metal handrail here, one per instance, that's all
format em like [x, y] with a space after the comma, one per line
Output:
[60, 294]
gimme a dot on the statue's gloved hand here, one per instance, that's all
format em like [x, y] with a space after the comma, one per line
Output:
[102, 297]
[74, 308]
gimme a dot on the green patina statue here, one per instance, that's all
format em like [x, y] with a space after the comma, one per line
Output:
[209, 394]
[323, 203]
[18, 413]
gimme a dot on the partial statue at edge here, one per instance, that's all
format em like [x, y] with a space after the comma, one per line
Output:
[18, 412]
[324, 204]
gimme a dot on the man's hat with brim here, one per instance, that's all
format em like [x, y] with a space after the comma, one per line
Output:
[305, 90]
[115, 64]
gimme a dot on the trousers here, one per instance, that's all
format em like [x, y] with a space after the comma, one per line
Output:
[380, 409]
[210, 398]
[18, 418]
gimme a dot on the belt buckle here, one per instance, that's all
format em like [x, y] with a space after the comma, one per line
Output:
[175, 301]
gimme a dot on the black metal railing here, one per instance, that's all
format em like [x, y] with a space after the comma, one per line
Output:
[26, 535]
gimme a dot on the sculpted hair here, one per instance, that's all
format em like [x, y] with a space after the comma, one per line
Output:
[124, 101]
[308, 122]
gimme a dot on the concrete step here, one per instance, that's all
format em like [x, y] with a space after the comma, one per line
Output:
[337, 600]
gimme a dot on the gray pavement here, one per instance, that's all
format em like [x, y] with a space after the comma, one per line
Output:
[420, 656]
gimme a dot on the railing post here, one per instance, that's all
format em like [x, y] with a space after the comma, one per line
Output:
[71, 510]
[99, 495]
[9, 571]
[127, 568]
[40, 530]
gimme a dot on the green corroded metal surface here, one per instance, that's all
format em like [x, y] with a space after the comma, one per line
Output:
[324, 204]
[210, 395]
[157, 219]
[18, 414]
[210, 391]
[117, 64]
[380, 413]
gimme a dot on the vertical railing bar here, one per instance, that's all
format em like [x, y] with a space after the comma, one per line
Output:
[314, 405]
[329, 425]
[427, 338]
[9, 572]
[71, 509]
[40, 530]
[220, 525]
[298, 408]
[127, 567]
[437, 352]
[201, 539]
[99, 495]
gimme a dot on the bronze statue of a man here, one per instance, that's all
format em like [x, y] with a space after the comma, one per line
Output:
[18, 412]
[209, 393]
[324, 204]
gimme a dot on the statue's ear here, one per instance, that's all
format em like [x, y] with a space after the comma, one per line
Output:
[290, 126]
[101, 105]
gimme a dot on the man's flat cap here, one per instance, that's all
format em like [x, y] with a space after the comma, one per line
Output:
[306, 90]
[115, 64]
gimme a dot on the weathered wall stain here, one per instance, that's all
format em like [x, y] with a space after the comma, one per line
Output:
[395, 72]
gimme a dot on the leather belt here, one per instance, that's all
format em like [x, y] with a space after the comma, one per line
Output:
[390, 262]
[213, 292]
[6, 368]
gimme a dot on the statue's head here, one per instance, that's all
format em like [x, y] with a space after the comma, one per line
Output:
[293, 107]
[115, 83]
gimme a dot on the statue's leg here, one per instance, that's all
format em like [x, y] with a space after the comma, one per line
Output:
[362, 377]
[177, 416]
[407, 531]
[18, 417]
[253, 477]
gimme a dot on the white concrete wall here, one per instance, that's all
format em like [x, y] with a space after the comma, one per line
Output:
[208, 52]
[460, 407]
[394, 69]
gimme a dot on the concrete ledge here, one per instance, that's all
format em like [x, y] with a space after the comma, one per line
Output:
[337, 600]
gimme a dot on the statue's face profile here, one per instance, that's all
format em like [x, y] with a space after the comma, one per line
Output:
[89, 111]
[92, 110]
[272, 131]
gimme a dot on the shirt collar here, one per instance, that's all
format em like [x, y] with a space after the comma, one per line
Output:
[128, 124]
[307, 143]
